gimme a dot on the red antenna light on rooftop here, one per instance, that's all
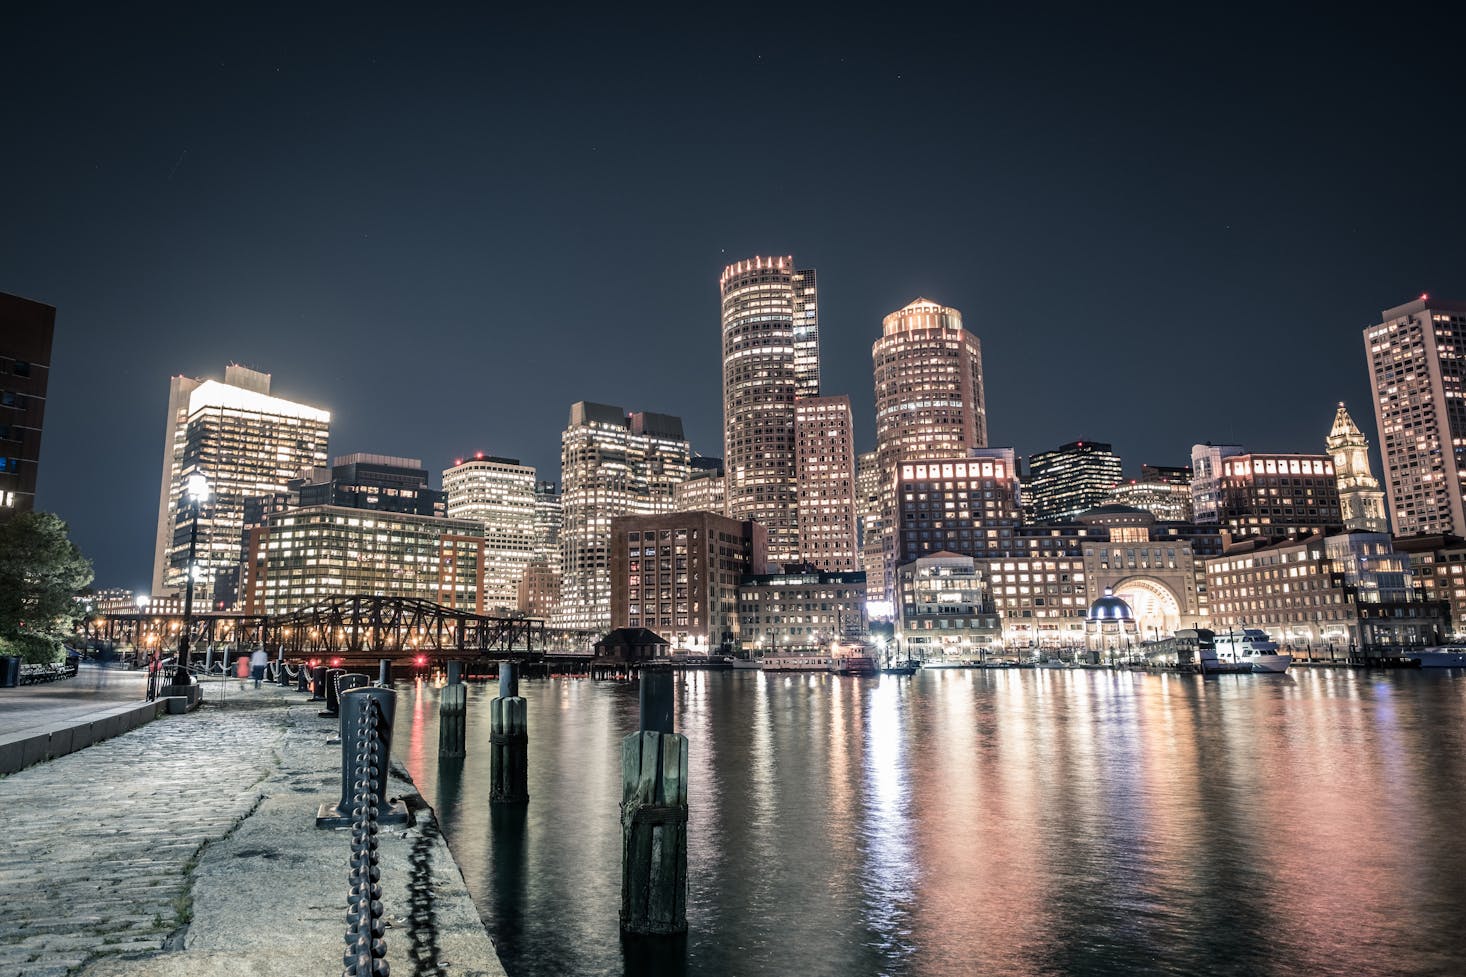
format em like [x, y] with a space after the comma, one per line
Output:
[478, 454]
[1424, 296]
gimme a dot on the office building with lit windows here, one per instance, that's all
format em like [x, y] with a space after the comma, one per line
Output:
[970, 507]
[612, 464]
[1070, 479]
[929, 403]
[1325, 598]
[868, 508]
[300, 556]
[825, 476]
[1278, 495]
[706, 490]
[770, 358]
[246, 443]
[678, 575]
[26, 330]
[1438, 564]
[945, 612]
[499, 494]
[1417, 366]
[801, 609]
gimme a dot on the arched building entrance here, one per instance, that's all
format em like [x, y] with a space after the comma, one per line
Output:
[1156, 607]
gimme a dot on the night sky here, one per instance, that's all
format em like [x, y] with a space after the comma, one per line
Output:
[447, 227]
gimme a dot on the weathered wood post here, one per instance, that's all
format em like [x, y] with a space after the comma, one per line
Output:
[509, 742]
[452, 712]
[654, 816]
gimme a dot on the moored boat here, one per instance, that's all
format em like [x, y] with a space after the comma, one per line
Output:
[1252, 650]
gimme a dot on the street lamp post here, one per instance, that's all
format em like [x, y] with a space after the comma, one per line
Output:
[198, 493]
[141, 600]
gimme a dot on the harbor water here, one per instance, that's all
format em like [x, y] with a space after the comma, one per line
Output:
[986, 822]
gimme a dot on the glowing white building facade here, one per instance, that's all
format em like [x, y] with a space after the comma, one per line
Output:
[247, 443]
[498, 493]
[612, 464]
[825, 478]
[770, 320]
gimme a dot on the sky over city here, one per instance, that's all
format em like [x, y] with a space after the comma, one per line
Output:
[447, 226]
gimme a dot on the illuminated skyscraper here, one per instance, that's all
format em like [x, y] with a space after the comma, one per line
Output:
[1361, 500]
[770, 358]
[868, 510]
[929, 403]
[500, 494]
[246, 443]
[825, 470]
[1070, 479]
[612, 465]
[25, 368]
[1417, 364]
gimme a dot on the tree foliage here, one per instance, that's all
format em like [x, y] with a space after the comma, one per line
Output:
[41, 573]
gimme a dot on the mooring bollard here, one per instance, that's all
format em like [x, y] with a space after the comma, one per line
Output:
[654, 816]
[384, 672]
[453, 714]
[333, 703]
[357, 760]
[347, 681]
[508, 742]
[318, 683]
[281, 676]
[302, 678]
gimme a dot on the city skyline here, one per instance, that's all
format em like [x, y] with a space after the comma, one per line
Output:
[1092, 237]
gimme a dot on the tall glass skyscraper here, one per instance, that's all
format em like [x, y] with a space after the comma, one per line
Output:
[612, 464]
[500, 494]
[247, 443]
[929, 404]
[770, 358]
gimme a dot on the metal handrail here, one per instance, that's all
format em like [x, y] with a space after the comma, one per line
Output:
[366, 946]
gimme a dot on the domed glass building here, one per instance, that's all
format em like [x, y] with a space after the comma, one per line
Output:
[1110, 630]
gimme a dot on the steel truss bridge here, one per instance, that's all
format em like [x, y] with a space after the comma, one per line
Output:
[353, 625]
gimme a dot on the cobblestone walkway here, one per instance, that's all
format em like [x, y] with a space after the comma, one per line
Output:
[99, 845]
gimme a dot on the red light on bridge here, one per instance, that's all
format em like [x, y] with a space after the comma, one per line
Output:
[421, 660]
[335, 662]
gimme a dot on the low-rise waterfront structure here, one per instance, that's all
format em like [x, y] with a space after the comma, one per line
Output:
[299, 556]
[945, 612]
[1324, 597]
[802, 609]
[678, 574]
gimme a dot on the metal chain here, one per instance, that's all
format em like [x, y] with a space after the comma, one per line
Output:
[366, 946]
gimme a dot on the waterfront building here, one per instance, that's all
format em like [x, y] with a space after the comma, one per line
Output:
[300, 556]
[1040, 594]
[824, 442]
[26, 330]
[1110, 630]
[1156, 575]
[1206, 474]
[770, 358]
[1361, 500]
[539, 589]
[971, 507]
[929, 403]
[1278, 495]
[247, 443]
[1324, 597]
[549, 518]
[944, 611]
[801, 609]
[1438, 565]
[1070, 479]
[868, 508]
[612, 464]
[705, 490]
[499, 494]
[678, 574]
[1417, 365]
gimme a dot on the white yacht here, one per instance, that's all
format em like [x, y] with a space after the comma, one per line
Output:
[1251, 646]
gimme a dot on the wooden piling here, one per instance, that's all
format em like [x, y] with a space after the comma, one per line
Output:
[453, 715]
[654, 817]
[508, 742]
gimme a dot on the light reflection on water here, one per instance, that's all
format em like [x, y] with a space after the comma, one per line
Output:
[1015, 822]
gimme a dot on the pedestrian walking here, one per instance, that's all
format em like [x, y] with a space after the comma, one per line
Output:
[241, 670]
[257, 663]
